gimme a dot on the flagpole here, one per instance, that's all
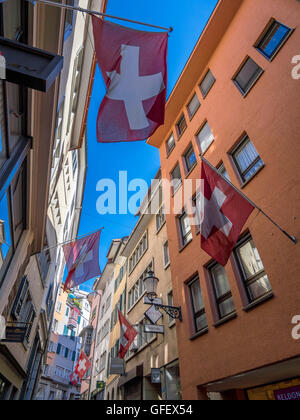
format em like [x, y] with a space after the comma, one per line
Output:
[292, 238]
[67, 242]
[93, 12]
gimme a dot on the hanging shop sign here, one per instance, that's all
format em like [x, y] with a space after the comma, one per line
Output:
[158, 329]
[100, 385]
[153, 314]
[28, 66]
[155, 301]
[155, 376]
[117, 366]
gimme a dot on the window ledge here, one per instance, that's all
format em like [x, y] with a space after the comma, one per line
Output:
[253, 176]
[258, 302]
[184, 246]
[225, 319]
[199, 334]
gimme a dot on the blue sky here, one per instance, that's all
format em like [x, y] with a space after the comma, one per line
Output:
[138, 158]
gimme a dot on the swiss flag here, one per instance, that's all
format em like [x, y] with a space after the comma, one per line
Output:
[128, 334]
[82, 366]
[134, 67]
[223, 213]
[82, 259]
[74, 378]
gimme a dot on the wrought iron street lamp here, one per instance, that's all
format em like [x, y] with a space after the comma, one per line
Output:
[150, 283]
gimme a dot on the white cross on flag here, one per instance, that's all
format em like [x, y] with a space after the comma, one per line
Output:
[134, 67]
[127, 336]
[82, 366]
[82, 259]
[74, 379]
[223, 213]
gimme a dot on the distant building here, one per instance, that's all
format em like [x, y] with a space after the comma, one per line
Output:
[72, 312]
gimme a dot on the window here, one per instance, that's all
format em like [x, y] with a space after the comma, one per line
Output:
[190, 159]
[166, 254]
[246, 159]
[69, 19]
[138, 252]
[59, 306]
[44, 261]
[176, 178]
[222, 291]
[247, 76]
[170, 144]
[205, 137]
[138, 288]
[75, 88]
[185, 229]
[273, 39]
[12, 217]
[74, 161]
[207, 83]
[181, 125]
[223, 171]
[252, 270]
[58, 141]
[193, 105]
[67, 311]
[102, 361]
[198, 309]
[160, 218]
[23, 309]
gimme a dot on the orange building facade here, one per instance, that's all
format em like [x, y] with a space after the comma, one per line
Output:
[237, 103]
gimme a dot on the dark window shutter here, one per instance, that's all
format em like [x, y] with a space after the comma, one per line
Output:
[19, 300]
[73, 356]
[66, 353]
[58, 348]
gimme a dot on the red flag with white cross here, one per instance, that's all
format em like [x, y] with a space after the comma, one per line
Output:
[82, 259]
[223, 213]
[83, 365]
[74, 378]
[127, 336]
[134, 67]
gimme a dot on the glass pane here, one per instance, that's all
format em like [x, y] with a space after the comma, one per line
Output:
[250, 259]
[247, 74]
[193, 105]
[18, 189]
[226, 307]
[170, 143]
[5, 238]
[259, 287]
[273, 39]
[198, 303]
[3, 152]
[207, 83]
[220, 280]
[181, 125]
[190, 159]
[173, 387]
[205, 137]
[246, 155]
[201, 322]
[253, 170]
[12, 19]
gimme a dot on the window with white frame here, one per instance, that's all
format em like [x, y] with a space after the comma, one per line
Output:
[166, 254]
[138, 252]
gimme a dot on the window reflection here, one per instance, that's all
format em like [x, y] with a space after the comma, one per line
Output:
[5, 239]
